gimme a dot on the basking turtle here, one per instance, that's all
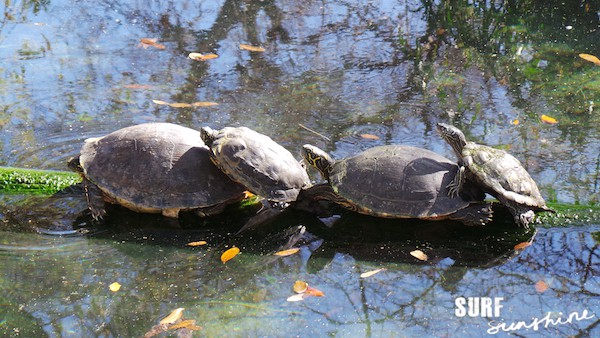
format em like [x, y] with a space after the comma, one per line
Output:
[257, 162]
[397, 181]
[153, 168]
[498, 172]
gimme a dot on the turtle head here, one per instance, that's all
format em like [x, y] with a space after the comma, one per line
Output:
[318, 159]
[453, 136]
[208, 135]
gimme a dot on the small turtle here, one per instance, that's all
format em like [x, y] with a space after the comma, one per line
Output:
[257, 162]
[398, 181]
[153, 168]
[498, 172]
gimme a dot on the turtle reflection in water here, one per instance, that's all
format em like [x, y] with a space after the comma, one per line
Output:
[153, 168]
[498, 172]
[397, 181]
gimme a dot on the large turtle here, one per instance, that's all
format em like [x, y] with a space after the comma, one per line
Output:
[260, 164]
[499, 173]
[397, 181]
[153, 168]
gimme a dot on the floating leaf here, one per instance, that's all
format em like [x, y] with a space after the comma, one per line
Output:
[174, 316]
[197, 243]
[541, 286]
[186, 105]
[314, 292]
[300, 286]
[287, 252]
[137, 86]
[202, 57]
[114, 287]
[590, 58]
[185, 324]
[296, 298]
[515, 122]
[369, 137]
[251, 48]
[548, 119]
[146, 42]
[371, 273]
[229, 254]
[418, 254]
[522, 245]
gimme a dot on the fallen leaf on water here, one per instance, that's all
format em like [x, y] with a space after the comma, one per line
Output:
[187, 324]
[590, 58]
[541, 286]
[515, 122]
[300, 286]
[548, 119]
[369, 136]
[202, 57]
[197, 243]
[370, 273]
[229, 254]
[296, 298]
[287, 252]
[522, 245]
[146, 42]
[174, 316]
[137, 86]
[314, 292]
[418, 254]
[114, 287]
[251, 48]
[185, 105]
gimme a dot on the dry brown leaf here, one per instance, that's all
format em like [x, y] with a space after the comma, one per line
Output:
[287, 252]
[229, 254]
[590, 58]
[180, 105]
[251, 48]
[174, 316]
[369, 137]
[541, 286]
[197, 243]
[548, 119]
[114, 287]
[314, 292]
[204, 104]
[137, 86]
[371, 273]
[146, 42]
[296, 298]
[522, 245]
[187, 324]
[186, 105]
[160, 102]
[300, 286]
[418, 254]
[202, 57]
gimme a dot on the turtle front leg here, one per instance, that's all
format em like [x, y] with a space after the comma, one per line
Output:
[476, 214]
[456, 185]
[95, 201]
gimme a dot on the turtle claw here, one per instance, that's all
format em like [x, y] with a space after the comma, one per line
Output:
[452, 189]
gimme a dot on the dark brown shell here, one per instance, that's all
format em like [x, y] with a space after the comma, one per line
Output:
[399, 182]
[156, 166]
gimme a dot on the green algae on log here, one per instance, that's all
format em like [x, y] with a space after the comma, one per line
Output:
[34, 181]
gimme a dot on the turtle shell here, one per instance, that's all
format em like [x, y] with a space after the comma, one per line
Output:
[155, 166]
[397, 181]
[260, 164]
[502, 175]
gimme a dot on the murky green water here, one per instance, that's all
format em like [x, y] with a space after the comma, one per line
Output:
[70, 70]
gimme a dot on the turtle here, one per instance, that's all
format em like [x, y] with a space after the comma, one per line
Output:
[257, 162]
[497, 172]
[399, 181]
[153, 168]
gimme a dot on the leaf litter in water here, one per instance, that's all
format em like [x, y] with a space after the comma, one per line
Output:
[371, 273]
[287, 252]
[590, 58]
[541, 286]
[197, 243]
[114, 287]
[202, 57]
[548, 119]
[229, 254]
[186, 105]
[418, 254]
[369, 137]
[251, 48]
[174, 316]
[522, 245]
[189, 324]
[147, 42]
[303, 290]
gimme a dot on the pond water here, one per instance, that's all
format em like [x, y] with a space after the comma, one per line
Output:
[344, 76]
